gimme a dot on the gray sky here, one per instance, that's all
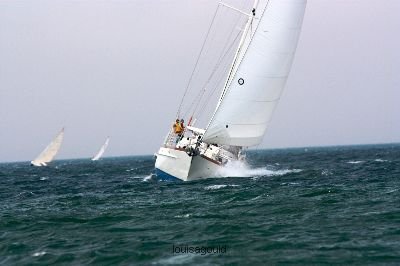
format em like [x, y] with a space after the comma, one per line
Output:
[119, 68]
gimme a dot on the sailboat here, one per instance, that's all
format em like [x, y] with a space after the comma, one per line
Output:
[252, 89]
[102, 150]
[48, 154]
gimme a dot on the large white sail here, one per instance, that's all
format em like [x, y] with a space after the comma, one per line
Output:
[259, 74]
[48, 154]
[102, 150]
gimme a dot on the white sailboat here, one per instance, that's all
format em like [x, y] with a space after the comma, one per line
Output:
[251, 92]
[48, 154]
[102, 150]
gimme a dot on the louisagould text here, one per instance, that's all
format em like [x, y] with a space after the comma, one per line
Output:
[202, 250]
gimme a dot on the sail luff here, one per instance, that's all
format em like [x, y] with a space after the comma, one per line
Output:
[245, 109]
[234, 61]
[102, 150]
[48, 154]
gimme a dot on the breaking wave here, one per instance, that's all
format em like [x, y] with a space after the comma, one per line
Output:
[242, 169]
[355, 162]
[214, 187]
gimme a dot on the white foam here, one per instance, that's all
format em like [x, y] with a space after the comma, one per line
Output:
[144, 178]
[43, 178]
[214, 187]
[187, 215]
[38, 254]
[147, 178]
[355, 162]
[380, 160]
[241, 169]
[326, 172]
[290, 184]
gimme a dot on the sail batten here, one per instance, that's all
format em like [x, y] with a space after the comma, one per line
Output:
[259, 75]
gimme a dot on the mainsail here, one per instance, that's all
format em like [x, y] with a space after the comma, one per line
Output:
[102, 150]
[258, 74]
[50, 151]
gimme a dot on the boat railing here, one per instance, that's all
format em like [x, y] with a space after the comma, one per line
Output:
[170, 139]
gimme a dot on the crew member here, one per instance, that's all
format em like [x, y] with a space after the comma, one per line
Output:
[177, 127]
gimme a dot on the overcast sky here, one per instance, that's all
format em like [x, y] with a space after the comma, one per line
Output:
[119, 68]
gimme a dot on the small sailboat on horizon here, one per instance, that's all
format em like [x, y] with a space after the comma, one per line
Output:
[102, 150]
[48, 154]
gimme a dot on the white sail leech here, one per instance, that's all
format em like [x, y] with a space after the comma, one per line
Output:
[264, 61]
[102, 150]
[48, 154]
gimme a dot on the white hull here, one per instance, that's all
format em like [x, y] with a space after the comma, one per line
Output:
[36, 163]
[176, 163]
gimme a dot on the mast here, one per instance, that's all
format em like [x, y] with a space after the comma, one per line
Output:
[236, 57]
[258, 74]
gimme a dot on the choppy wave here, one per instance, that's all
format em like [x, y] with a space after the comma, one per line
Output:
[215, 187]
[39, 254]
[355, 162]
[285, 212]
[187, 215]
[381, 160]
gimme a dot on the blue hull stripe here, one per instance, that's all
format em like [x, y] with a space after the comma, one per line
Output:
[164, 176]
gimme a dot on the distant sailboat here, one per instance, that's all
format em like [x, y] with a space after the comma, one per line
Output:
[48, 154]
[102, 150]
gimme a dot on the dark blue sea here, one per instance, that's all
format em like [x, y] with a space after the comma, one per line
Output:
[309, 206]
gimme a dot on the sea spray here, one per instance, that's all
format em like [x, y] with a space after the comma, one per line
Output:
[243, 169]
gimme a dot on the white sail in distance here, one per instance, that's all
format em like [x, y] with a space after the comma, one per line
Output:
[48, 154]
[102, 150]
[258, 75]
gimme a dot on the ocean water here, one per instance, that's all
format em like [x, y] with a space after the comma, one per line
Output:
[337, 205]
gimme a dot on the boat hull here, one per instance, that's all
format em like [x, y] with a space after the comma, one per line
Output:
[172, 164]
[38, 164]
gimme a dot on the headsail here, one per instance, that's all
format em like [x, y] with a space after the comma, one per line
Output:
[259, 74]
[48, 154]
[102, 150]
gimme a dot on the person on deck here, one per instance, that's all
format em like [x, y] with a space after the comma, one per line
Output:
[177, 127]
[182, 125]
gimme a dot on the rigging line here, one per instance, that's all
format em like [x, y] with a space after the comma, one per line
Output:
[201, 92]
[222, 56]
[230, 72]
[233, 29]
[209, 97]
[196, 99]
[204, 88]
[235, 63]
[245, 51]
[197, 61]
[215, 71]
[219, 61]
